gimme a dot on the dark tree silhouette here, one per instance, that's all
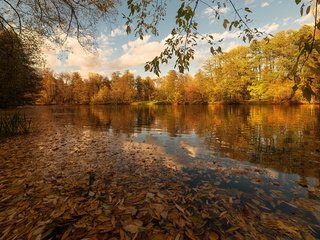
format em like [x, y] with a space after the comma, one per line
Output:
[19, 78]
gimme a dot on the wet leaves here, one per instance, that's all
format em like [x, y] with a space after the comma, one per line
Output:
[92, 193]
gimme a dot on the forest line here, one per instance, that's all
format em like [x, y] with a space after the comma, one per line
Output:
[268, 71]
[259, 72]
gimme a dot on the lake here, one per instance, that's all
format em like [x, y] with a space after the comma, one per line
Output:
[266, 158]
[285, 139]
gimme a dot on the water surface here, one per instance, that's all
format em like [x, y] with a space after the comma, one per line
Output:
[281, 138]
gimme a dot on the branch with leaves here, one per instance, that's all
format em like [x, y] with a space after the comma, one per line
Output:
[185, 36]
[307, 46]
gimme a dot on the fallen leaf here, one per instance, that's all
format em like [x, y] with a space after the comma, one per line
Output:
[131, 228]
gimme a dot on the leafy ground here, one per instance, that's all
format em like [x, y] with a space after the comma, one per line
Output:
[64, 182]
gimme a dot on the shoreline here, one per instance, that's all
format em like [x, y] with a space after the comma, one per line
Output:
[165, 103]
[161, 103]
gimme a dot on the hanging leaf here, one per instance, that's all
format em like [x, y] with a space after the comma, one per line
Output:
[225, 23]
[308, 9]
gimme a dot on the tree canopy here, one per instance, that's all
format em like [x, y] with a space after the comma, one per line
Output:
[58, 19]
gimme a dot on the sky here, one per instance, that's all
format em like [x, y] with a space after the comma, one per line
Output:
[117, 51]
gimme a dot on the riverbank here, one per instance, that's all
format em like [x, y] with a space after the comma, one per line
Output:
[65, 181]
[248, 102]
[155, 103]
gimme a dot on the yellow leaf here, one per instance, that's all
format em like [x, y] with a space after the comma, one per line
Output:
[213, 236]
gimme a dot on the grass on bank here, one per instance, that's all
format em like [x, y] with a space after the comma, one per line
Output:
[14, 124]
[150, 103]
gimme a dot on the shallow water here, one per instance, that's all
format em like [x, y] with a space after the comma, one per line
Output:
[281, 138]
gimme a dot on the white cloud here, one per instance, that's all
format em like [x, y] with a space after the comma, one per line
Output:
[51, 54]
[286, 20]
[248, 2]
[118, 32]
[269, 28]
[79, 59]
[138, 52]
[265, 4]
[231, 46]
[211, 12]
[84, 61]
[306, 19]
[225, 35]
[200, 55]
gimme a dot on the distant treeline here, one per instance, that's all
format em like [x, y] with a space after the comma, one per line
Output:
[70, 88]
[276, 70]
[267, 70]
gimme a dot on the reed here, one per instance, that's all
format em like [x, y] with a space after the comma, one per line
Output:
[14, 124]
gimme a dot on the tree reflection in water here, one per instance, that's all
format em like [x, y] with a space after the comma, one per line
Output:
[284, 138]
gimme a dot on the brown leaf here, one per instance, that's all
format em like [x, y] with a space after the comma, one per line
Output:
[190, 234]
[66, 234]
[232, 229]
[131, 228]
[178, 237]
[179, 208]
[159, 236]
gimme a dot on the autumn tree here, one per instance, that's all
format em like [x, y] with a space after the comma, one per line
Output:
[103, 95]
[139, 88]
[123, 87]
[168, 87]
[197, 90]
[49, 88]
[148, 88]
[265, 70]
[79, 89]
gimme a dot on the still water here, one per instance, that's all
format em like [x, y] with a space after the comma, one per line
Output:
[281, 138]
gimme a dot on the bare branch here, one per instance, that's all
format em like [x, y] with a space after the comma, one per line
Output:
[190, 24]
[239, 16]
[18, 15]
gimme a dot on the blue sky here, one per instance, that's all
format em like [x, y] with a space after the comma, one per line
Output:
[117, 51]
